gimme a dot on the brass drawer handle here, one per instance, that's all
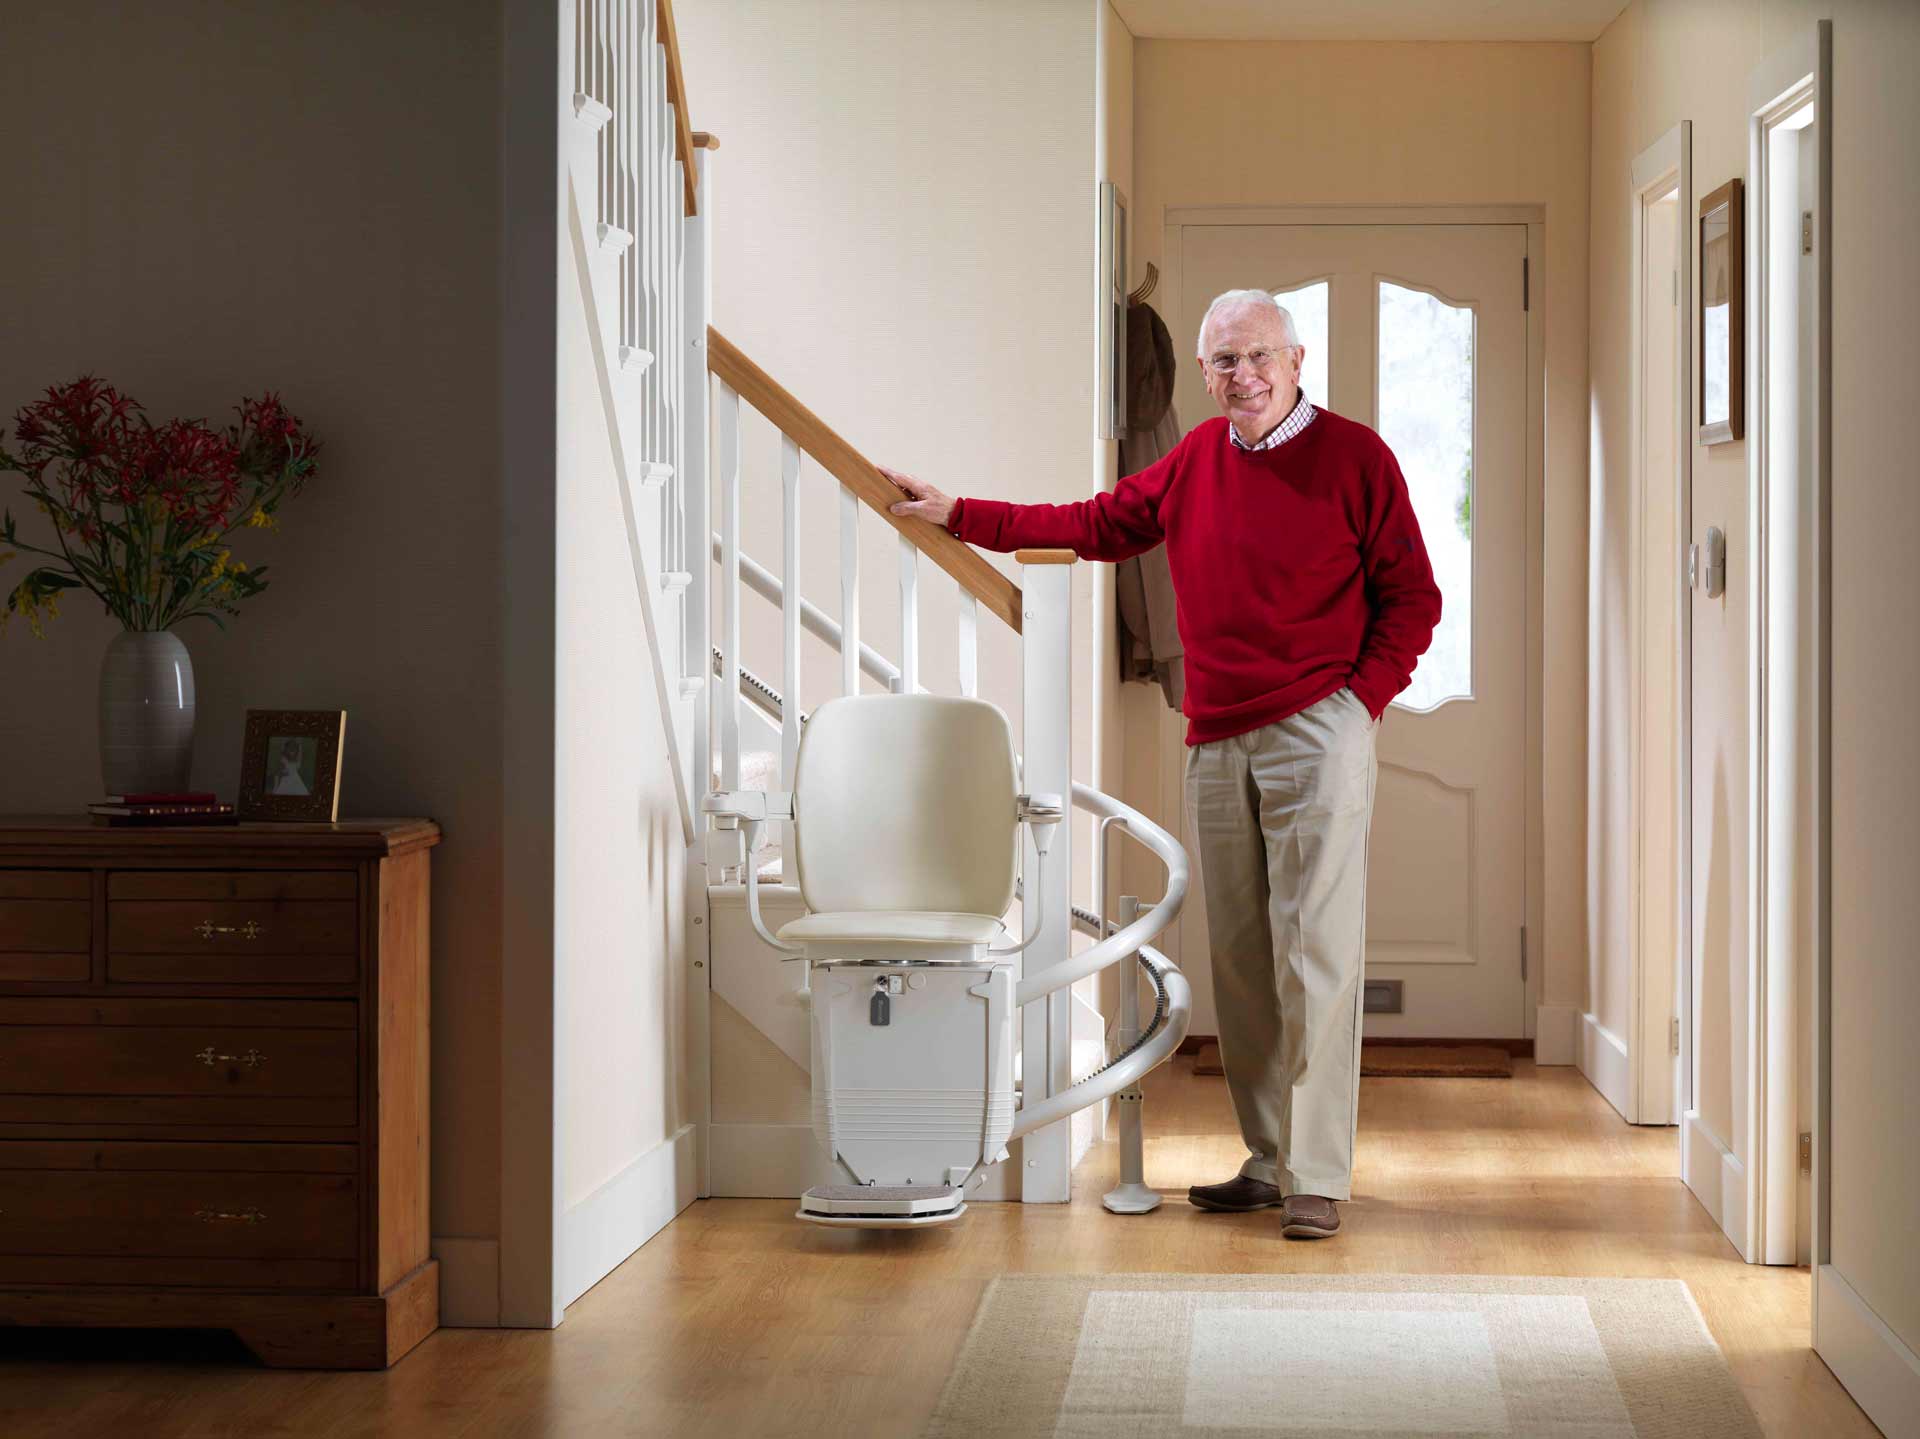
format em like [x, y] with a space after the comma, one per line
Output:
[207, 929]
[253, 1058]
[249, 1215]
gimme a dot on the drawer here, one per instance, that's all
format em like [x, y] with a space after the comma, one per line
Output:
[188, 1214]
[210, 927]
[46, 924]
[206, 1062]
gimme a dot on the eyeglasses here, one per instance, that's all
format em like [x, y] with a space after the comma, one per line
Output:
[1225, 362]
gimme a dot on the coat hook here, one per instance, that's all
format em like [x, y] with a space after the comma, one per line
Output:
[1146, 286]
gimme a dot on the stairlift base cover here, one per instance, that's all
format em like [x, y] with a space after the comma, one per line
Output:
[927, 1092]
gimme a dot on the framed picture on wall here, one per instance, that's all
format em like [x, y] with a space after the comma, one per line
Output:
[1723, 321]
[290, 765]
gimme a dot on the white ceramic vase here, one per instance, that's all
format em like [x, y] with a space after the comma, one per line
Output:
[146, 713]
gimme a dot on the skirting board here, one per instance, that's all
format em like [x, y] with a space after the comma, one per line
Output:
[1603, 1059]
[1717, 1178]
[1555, 1034]
[469, 1282]
[598, 1233]
[1877, 1368]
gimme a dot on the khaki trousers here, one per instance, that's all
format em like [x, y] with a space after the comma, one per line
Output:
[1281, 815]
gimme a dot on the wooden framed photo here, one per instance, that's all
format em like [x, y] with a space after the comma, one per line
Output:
[1723, 321]
[290, 765]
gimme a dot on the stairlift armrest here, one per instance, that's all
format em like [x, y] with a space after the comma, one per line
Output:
[751, 808]
[1039, 813]
[751, 805]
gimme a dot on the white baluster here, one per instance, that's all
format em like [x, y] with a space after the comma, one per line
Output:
[676, 354]
[1046, 663]
[969, 644]
[646, 292]
[849, 592]
[909, 616]
[629, 180]
[696, 492]
[790, 624]
[665, 207]
[603, 92]
[728, 701]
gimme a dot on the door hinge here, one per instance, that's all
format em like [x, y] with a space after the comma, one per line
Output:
[1526, 284]
[1806, 1151]
[1523, 954]
[1675, 276]
[1806, 232]
[1674, 1038]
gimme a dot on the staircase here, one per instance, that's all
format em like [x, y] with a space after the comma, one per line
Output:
[672, 390]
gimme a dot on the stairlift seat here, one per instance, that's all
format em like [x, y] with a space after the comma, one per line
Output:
[898, 926]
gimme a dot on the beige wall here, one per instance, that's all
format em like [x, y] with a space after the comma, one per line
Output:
[1404, 124]
[208, 200]
[904, 202]
[1663, 62]
[620, 854]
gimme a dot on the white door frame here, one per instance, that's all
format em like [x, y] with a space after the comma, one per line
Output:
[1534, 217]
[1778, 89]
[1651, 1087]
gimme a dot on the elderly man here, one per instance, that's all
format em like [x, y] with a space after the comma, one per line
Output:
[1304, 598]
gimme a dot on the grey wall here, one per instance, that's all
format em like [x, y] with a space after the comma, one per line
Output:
[209, 199]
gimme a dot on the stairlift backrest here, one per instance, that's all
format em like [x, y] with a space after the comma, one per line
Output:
[906, 802]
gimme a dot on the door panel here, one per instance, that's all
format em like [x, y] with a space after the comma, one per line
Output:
[1426, 342]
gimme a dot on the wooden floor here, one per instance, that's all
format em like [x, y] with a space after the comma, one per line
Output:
[738, 1321]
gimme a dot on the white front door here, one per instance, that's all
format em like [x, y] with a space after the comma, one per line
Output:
[1420, 332]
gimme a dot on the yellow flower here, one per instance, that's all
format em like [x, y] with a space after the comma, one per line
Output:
[220, 565]
[260, 520]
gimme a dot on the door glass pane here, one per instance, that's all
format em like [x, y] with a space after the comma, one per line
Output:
[1308, 306]
[1426, 418]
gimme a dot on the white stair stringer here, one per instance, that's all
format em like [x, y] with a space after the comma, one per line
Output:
[598, 261]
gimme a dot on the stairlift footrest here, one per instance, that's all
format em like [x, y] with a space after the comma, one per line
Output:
[882, 1205]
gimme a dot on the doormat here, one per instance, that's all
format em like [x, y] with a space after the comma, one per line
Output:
[1238, 1356]
[1403, 1061]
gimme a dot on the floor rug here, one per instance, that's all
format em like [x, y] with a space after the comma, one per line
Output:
[1403, 1061]
[1435, 1061]
[1244, 1356]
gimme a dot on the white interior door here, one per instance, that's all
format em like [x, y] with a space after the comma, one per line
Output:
[1420, 332]
[1717, 1132]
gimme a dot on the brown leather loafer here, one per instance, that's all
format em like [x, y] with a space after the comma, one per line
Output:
[1237, 1195]
[1309, 1216]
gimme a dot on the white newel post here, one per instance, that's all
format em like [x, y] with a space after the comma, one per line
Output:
[696, 646]
[1046, 662]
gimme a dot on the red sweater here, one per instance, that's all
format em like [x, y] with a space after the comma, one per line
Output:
[1296, 570]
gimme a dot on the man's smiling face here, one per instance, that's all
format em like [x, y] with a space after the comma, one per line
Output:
[1254, 397]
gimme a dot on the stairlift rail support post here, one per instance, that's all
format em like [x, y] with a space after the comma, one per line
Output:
[1131, 1195]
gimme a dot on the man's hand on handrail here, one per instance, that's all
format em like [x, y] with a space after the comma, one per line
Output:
[927, 503]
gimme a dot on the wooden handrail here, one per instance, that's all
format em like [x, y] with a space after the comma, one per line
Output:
[677, 97]
[969, 569]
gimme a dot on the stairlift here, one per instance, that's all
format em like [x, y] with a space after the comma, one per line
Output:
[906, 817]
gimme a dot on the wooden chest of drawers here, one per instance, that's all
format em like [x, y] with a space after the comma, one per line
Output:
[213, 1083]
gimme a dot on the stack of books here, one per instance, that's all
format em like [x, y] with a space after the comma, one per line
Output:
[187, 807]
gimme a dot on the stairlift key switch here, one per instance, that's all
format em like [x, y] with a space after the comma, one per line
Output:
[880, 1009]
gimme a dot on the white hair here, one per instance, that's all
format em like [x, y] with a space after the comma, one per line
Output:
[1246, 297]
